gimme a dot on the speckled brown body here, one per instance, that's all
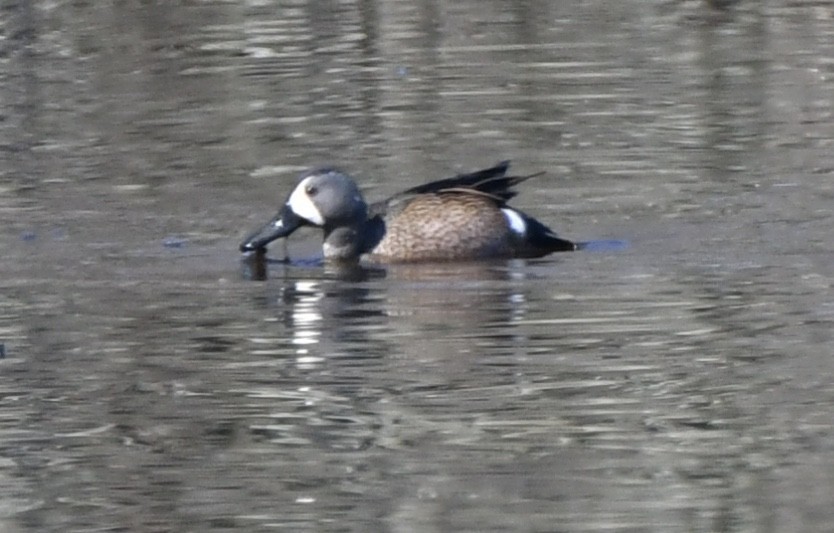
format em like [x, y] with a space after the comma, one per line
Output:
[444, 227]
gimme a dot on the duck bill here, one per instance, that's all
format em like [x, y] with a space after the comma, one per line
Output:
[282, 225]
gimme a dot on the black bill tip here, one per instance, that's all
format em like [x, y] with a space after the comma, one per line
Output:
[282, 225]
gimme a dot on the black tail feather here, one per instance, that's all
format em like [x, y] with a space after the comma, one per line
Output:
[542, 240]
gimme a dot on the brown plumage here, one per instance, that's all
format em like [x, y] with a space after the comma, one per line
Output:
[444, 227]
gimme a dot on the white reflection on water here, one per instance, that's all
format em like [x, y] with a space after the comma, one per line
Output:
[307, 322]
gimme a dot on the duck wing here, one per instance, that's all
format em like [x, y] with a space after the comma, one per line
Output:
[490, 182]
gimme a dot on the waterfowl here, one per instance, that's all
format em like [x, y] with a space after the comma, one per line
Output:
[465, 217]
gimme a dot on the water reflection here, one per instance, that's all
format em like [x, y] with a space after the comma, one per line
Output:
[337, 311]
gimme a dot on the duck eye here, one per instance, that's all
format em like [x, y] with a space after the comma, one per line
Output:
[312, 190]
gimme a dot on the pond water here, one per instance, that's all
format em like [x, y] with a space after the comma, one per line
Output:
[677, 381]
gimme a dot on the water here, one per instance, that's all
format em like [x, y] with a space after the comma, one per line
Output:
[675, 376]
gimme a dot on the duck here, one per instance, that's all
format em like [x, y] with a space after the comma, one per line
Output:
[462, 218]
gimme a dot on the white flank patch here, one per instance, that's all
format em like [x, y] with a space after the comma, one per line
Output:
[303, 206]
[515, 221]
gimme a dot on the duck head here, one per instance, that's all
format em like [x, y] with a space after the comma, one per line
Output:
[324, 197]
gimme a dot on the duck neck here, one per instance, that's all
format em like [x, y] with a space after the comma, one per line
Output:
[342, 243]
[347, 242]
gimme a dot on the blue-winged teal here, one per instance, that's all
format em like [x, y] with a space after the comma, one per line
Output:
[460, 218]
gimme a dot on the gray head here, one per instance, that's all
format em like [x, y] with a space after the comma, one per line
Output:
[324, 197]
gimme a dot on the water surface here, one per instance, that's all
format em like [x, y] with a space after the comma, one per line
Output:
[678, 383]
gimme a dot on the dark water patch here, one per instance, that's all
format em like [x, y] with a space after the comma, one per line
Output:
[174, 242]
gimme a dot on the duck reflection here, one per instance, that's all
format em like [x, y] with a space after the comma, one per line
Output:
[410, 310]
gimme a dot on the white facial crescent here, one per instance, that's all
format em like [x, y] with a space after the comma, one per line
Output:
[303, 206]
